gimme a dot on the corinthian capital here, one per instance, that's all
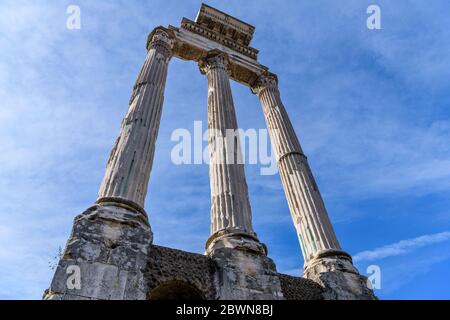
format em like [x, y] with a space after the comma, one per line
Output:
[265, 81]
[160, 40]
[215, 59]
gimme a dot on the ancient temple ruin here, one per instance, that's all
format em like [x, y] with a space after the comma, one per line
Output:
[112, 243]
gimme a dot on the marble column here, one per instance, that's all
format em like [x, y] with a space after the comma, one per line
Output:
[308, 211]
[231, 216]
[321, 250]
[110, 241]
[244, 270]
[130, 163]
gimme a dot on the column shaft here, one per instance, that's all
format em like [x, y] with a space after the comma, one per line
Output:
[129, 165]
[308, 211]
[230, 208]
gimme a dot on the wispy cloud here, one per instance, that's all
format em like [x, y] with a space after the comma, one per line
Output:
[401, 247]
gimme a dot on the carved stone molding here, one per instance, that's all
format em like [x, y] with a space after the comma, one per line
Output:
[219, 38]
[264, 81]
[215, 59]
[162, 41]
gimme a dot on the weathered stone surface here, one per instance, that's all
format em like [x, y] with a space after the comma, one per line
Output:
[167, 265]
[298, 288]
[339, 278]
[214, 29]
[66, 296]
[110, 246]
[245, 275]
[101, 281]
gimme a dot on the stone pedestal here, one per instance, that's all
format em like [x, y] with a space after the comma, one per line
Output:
[246, 275]
[109, 246]
[339, 278]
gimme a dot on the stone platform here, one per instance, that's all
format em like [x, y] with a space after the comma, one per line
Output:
[111, 246]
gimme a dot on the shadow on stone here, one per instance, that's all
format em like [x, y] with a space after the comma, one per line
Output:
[176, 290]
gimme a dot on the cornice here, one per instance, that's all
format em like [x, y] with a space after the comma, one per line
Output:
[219, 38]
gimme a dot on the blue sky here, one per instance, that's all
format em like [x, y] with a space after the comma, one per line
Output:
[370, 108]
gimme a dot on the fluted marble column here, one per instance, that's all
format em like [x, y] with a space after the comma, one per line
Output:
[314, 229]
[231, 214]
[325, 261]
[129, 165]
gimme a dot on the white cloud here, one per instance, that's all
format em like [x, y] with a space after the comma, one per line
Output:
[401, 247]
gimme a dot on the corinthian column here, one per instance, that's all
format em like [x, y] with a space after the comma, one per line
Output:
[231, 216]
[320, 247]
[110, 240]
[129, 165]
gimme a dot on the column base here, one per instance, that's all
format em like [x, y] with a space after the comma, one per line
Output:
[105, 257]
[122, 202]
[244, 272]
[234, 239]
[334, 271]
